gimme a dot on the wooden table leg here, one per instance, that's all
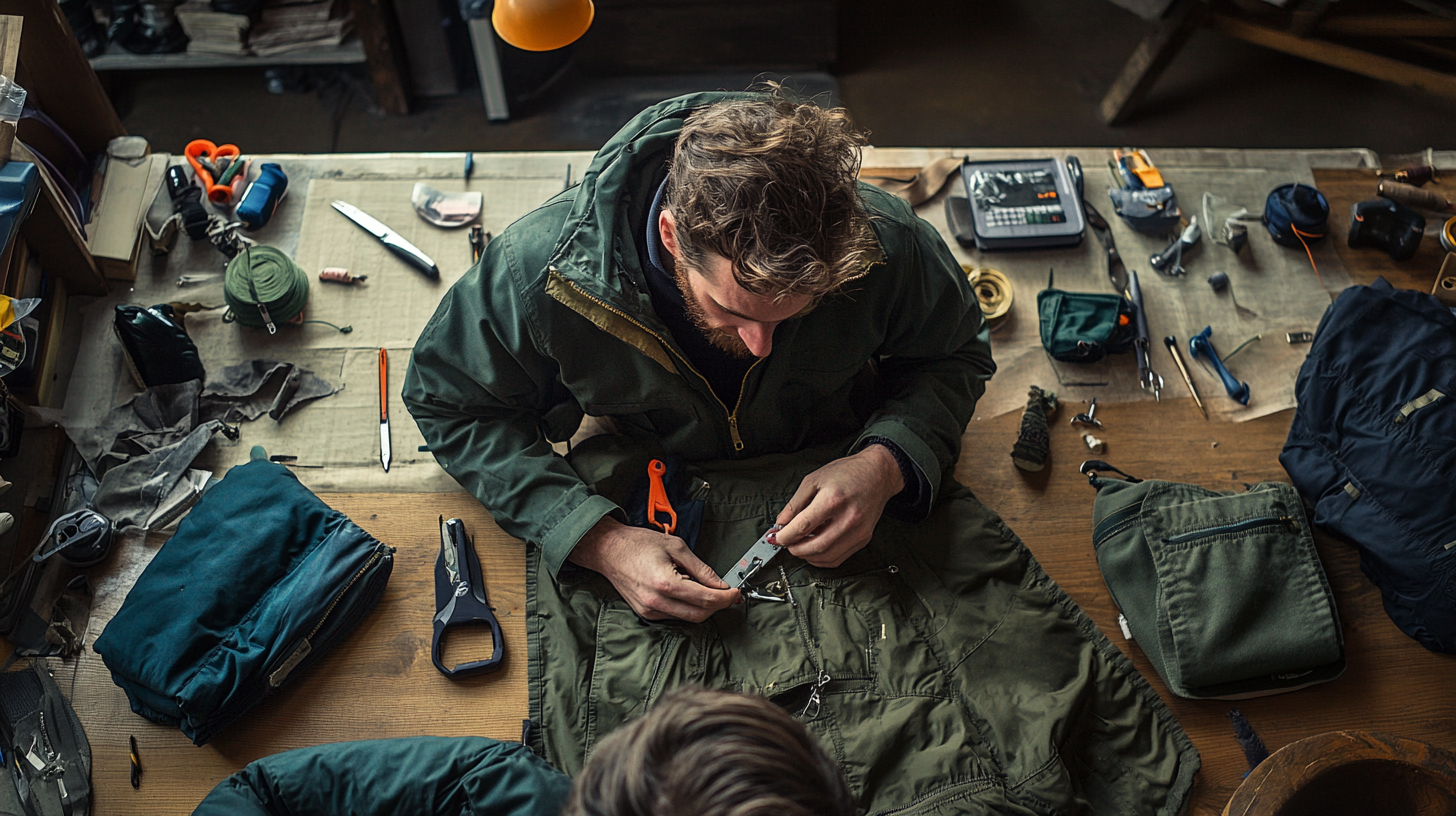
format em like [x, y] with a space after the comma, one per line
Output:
[384, 52]
[1152, 55]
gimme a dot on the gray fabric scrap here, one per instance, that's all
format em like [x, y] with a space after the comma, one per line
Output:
[143, 448]
[254, 387]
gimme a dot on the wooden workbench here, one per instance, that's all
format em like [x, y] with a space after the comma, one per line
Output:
[380, 683]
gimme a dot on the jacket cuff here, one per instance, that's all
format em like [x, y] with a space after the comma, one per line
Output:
[911, 446]
[561, 539]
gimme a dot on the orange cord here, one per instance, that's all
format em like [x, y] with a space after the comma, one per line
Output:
[1301, 235]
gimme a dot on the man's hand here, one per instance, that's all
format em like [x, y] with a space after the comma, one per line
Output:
[656, 573]
[835, 510]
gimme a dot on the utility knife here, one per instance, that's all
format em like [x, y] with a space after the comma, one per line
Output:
[392, 240]
[385, 449]
[757, 557]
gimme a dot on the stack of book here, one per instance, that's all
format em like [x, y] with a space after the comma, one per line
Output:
[212, 32]
[294, 26]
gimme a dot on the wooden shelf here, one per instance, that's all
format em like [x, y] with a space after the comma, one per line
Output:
[117, 59]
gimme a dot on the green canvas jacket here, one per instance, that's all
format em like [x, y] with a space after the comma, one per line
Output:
[940, 665]
[556, 322]
[394, 777]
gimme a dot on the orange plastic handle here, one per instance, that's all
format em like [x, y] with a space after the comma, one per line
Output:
[204, 149]
[383, 385]
[657, 498]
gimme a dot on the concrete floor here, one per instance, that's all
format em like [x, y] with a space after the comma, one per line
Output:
[913, 72]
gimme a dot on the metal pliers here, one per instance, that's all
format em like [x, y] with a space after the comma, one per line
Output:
[460, 599]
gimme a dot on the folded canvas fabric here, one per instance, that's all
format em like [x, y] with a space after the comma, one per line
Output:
[260, 580]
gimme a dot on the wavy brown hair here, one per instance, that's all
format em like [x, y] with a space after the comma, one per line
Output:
[711, 753]
[769, 184]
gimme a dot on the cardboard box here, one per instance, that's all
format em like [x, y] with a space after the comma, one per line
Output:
[127, 191]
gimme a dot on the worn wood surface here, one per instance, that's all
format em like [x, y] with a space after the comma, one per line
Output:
[381, 683]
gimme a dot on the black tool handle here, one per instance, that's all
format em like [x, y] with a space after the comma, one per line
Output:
[463, 604]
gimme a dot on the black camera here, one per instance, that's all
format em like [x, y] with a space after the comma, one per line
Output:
[1386, 225]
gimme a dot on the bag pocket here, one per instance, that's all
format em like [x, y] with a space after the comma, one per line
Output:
[1244, 595]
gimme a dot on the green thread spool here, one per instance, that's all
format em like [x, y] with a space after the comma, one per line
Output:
[263, 286]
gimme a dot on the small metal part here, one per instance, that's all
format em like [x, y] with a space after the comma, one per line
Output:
[1170, 260]
[757, 556]
[1219, 281]
[136, 764]
[1090, 418]
[1298, 337]
[185, 280]
[1094, 444]
[755, 595]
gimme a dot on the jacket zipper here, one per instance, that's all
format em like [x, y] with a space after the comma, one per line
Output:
[743, 386]
[277, 676]
[1115, 523]
[1237, 527]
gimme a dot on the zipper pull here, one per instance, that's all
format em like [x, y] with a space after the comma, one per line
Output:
[733, 432]
[815, 701]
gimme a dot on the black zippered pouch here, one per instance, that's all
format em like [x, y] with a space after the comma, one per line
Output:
[1223, 591]
[261, 579]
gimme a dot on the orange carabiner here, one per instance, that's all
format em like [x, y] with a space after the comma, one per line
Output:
[657, 498]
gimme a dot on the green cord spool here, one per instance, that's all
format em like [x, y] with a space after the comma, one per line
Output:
[263, 286]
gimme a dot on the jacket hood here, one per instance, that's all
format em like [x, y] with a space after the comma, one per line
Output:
[589, 244]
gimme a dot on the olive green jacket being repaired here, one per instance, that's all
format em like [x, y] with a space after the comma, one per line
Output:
[556, 321]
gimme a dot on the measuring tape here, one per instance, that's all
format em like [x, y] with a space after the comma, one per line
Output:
[993, 291]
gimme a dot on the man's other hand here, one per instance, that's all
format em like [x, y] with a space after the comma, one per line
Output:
[656, 573]
[835, 510]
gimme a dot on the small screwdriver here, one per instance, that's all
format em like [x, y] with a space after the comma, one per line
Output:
[1172, 344]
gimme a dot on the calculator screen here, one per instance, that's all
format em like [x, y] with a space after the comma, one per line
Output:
[1025, 196]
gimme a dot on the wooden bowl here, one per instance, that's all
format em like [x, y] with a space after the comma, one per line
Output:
[1344, 773]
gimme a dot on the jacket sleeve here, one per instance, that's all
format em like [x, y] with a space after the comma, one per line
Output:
[936, 356]
[488, 401]
[390, 776]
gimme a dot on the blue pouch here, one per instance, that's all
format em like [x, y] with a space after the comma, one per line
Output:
[261, 579]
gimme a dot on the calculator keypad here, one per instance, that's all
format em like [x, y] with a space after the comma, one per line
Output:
[1021, 216]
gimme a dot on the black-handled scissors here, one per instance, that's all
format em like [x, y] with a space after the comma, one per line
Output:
[460, 599]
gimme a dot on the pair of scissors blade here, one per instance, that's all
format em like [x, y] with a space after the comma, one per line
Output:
[392, 240]
[757, 557]
[448, 552]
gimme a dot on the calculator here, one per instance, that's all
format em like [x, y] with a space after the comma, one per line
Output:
[1023, 203]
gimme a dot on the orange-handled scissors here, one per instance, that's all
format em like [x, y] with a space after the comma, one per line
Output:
[201, 150]
[657, 498]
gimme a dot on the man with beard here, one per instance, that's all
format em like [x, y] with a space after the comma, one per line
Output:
[719, 283]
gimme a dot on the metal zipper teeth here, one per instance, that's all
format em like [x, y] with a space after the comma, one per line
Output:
[1115, 523]
[373, 559]
[732, 415]
[1247, 524]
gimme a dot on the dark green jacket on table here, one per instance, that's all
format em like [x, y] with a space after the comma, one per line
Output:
[556, 320]
[468, 776]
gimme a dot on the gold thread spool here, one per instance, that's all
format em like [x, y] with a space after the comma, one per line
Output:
[993, 291]
[1448, 235]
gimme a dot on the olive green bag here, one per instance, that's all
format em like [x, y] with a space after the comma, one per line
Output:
[1224, 592]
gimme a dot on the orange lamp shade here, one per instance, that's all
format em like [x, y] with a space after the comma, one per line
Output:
[541, 25]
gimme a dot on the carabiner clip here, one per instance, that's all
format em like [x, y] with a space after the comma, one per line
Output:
[657, 498]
